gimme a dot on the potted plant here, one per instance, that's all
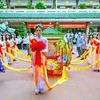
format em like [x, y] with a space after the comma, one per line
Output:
[82, 6]
[40, 5]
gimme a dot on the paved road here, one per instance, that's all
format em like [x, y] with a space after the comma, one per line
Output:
[82, 85]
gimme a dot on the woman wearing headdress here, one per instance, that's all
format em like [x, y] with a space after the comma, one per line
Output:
[2, 46]
[39, 47]
[13, 41]
[90, 44]
[96, 67]
[94, 47]
[8, 45]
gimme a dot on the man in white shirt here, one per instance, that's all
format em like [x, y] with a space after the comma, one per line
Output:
[28, 38]
[18, 42]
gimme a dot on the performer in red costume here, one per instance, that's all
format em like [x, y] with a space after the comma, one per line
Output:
[90, 44]
[8, 45]
[2, 46]
[13, 40]
[96, 67]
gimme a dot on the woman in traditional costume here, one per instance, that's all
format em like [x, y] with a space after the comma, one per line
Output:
[13, 40]
[8, 45]
[39, 47]
[2, 46]
[96, 67]
[90, 44]
[94, 47]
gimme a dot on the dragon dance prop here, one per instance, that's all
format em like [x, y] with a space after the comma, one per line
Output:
[4, 27]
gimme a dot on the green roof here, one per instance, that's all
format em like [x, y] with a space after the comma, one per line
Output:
[50, 31]
[49, 15]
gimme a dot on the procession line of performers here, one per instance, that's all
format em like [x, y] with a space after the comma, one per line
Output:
[7, 41]
[39, 47]
[94, 42]
[39, 63]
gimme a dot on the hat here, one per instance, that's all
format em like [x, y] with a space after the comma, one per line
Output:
[79, 33]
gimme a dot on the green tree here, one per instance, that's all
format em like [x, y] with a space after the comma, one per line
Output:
[22, 30]
[40, 5]
[82, 6]
[29, 4]
[58, 28]
[1, 4]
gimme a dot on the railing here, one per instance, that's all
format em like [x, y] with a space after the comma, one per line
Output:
[49, 10]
